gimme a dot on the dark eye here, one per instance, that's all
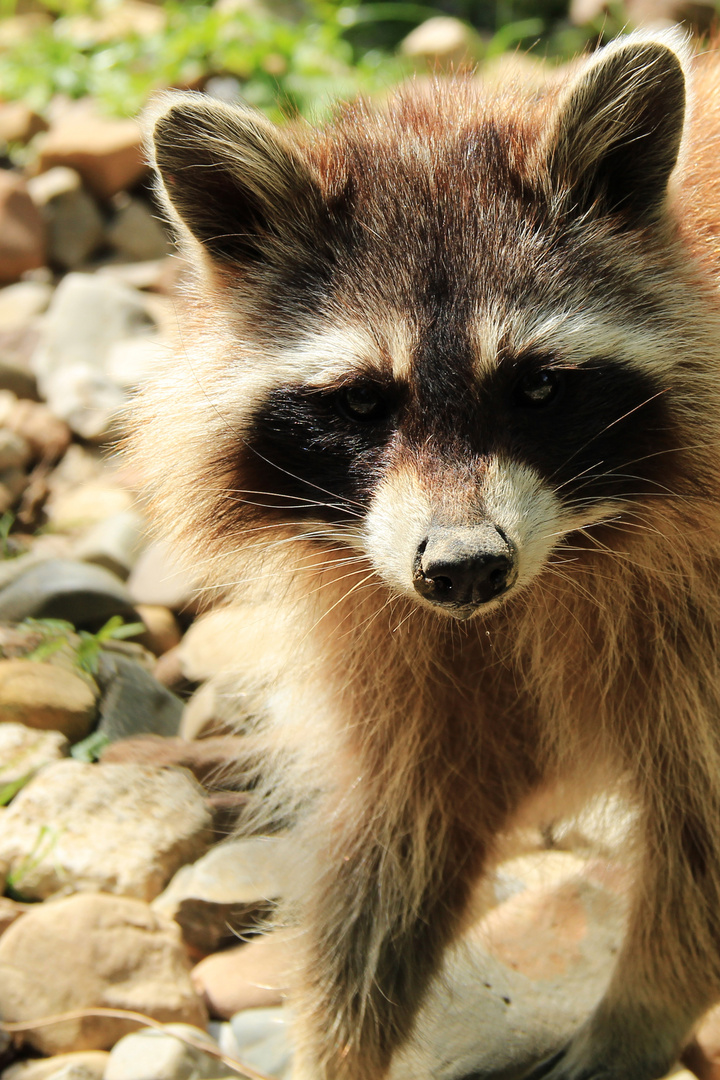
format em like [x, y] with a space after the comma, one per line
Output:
[363, 403]
[538, 388]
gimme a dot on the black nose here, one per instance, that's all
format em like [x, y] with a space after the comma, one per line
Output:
[462, 568]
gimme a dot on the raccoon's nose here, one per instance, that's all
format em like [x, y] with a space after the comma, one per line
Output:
[463, 568]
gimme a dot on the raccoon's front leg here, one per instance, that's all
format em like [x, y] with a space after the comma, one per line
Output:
[374, 936]
[668, 973]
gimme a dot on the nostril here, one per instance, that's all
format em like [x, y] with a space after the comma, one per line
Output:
[462, 572]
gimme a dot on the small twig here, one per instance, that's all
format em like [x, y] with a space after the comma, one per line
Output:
[125, 1014]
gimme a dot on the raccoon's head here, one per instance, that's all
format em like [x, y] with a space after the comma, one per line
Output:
[458, 322]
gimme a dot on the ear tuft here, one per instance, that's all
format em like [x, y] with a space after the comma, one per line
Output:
[617, 130]
[232, 179]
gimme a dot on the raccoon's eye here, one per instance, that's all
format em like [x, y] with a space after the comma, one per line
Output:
[538, 388]
[363, 403]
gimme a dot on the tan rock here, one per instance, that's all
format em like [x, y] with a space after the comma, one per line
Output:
[48, 697]
[251, 976]
[48, 436]
[93, 951]
[123, 829]
[161, 626]
[444, 41]
[106, 152]
[22, 231]
[87, 504]
[21, 303]
[24, 751]
[75, 226]
[85, 1065]
[10, 911]
[19, 123]
[227, 891]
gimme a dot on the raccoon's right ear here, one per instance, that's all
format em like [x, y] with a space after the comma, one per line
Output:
[234, 181]
[616, 133]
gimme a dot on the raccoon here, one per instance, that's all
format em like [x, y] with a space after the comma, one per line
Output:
[448, 400]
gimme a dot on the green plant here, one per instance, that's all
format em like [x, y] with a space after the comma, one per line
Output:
[57, 633]
[44, 845]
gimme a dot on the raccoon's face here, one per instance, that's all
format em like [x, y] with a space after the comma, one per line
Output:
[462, 360]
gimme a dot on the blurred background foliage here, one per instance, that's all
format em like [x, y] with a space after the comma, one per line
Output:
[287, 57]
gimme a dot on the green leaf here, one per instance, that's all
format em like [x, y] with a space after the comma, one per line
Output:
[8, 791]
[90, 749]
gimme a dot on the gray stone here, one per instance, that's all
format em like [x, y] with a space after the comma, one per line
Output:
[136, 232]
[227, 890]
[133, 702]
[75, 226]
[162, 1054]
[88, 315]
[123, 829]
[261, 1037]
[85, 595]
[519, 983]
[114, 543]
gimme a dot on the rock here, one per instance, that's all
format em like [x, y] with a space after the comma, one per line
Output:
[168, 671]
[123, 829]
[212, 711]
[215, 763]
[107, 153]
[10, 911]
[521, 981]
[21, 303]
[93, 951]
[157, 275]
[213, 642]
[114, 543]
[75, 226]
[157, 579]
[47, 697]
[158, 1054]
[250, 976]
[135, 231]
[88, 504]
[82, 1065]
[261, 1038]
[12, 485]
[19, 123]
[162, 632]
[133, 702]
[25, 750]
[22, 232]
[48, 437]
[84, 595]
[444, 42]
[228, 890]
[15, 452]
[87, 317]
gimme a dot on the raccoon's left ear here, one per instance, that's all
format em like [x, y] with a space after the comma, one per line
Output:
[234, 182]
[616, 133]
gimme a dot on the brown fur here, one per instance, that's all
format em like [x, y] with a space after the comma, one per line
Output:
[405, 743]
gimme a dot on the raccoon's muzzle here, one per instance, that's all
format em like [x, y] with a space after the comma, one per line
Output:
[461, 568]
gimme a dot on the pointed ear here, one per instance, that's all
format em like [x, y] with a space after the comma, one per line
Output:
[234, 181]
[616, 133]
